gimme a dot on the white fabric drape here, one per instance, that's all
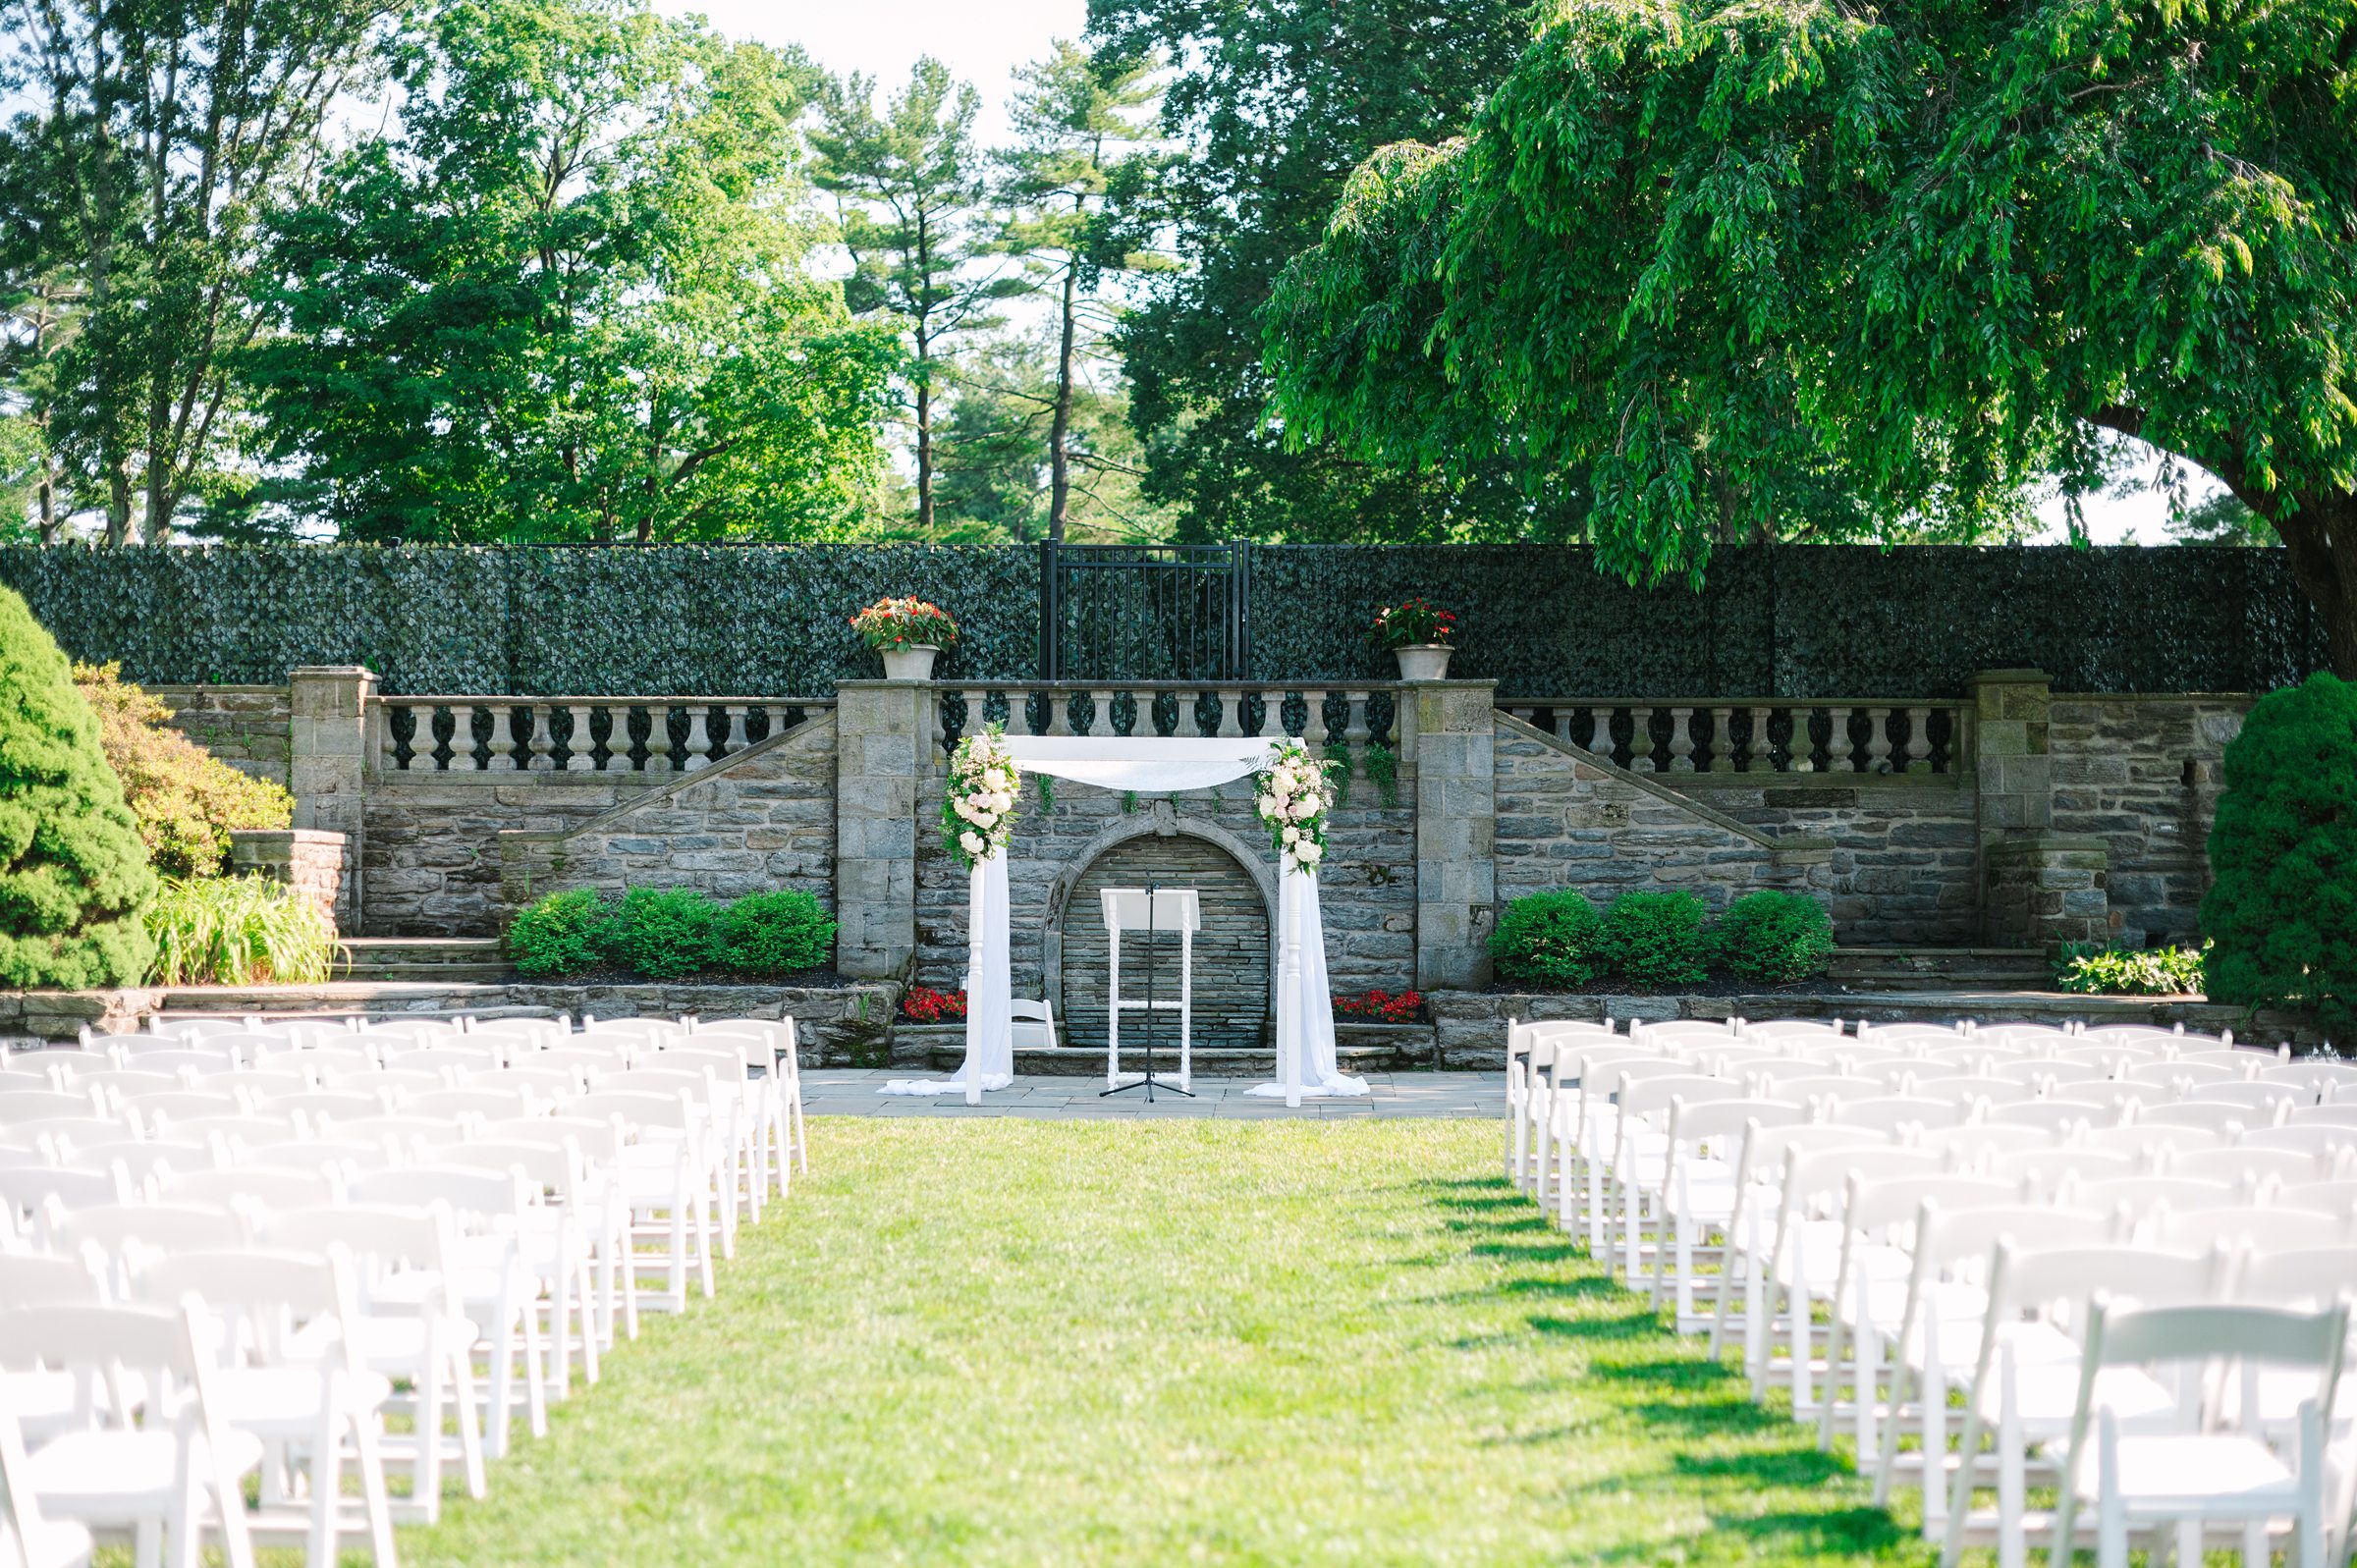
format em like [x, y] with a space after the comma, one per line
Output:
[1306, 1068]
[989, 1021]
[1149, 765]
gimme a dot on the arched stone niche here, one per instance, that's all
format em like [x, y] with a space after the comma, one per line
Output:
[1235, 955]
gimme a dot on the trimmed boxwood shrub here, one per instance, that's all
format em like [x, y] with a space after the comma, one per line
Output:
[776, 933]
[668, 933]
[2282, 914]
[1654, 939]
[74, 873]
[1774, 938]
[671, 933]
[1547, 939]
[562, 934]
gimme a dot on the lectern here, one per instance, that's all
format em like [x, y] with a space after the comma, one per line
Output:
[1153, 913]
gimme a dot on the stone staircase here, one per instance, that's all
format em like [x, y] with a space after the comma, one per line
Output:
[422, 958]
[1885, 969]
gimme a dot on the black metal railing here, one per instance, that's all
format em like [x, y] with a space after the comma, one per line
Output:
[1144, 611]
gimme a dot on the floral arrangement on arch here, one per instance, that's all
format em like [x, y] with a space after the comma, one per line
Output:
[1295, 800]
[909, 622]
[1412, 623]
[980, 805]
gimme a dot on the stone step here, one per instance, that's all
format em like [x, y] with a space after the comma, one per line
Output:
[424, 959]
[1357, 1046]
[1941, 968]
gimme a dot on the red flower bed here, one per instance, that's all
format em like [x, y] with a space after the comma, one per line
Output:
[924, 1004]
[1382, 1007]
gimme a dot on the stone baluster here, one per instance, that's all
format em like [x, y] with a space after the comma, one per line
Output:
[503, 736]
[1600, 731]
[1357, 733]
[1682, 741]
[580, 752]
[1232, 716]
[1529, 715]
[1271, 714]
[462, 739]
[1723, 745]
[1759, 755]
[699, 737]
[658, 739]
[541, 742]
[381, 750]
[618, 738]
[1804, 740]
[1878, 740]
[1640, 740]
[734, 736]
[1838, 747]
[1059, 719]
[1100, 711]
[1313, 719]
[1919, 740]
[777, 711]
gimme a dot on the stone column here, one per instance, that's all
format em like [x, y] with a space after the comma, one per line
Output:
[307, 859]
[882, 740]
[2037, 887]
[327, 765]
[1448, 736]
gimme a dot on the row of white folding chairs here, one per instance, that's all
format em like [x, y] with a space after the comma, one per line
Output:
[738, 1118]
[2147, 1037]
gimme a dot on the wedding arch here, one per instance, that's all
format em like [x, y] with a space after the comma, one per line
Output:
[1294, 803]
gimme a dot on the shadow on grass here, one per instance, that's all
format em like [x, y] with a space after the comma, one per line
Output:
[1610, 1376]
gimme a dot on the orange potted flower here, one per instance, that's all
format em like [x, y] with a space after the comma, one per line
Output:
[907, 632]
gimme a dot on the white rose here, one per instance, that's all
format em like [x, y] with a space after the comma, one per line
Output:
[1268, 805]
[1305, 808]
[1002, 800]
[1292, 834]
[1308, 852]
[970, 842]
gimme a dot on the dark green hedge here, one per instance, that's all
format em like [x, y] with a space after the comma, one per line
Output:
[757, 621]
[1796, 622]
[1815, 621]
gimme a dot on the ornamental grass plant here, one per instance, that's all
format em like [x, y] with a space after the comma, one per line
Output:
[238, 931]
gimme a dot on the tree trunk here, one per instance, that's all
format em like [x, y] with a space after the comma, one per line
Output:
[117, 505]
[1059, 461]
[2322, 540]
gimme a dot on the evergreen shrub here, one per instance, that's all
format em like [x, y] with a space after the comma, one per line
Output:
[1774, 938]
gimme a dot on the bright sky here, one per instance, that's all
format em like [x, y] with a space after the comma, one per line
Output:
[982, 41]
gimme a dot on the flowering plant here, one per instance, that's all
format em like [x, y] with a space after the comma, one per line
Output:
[1381, 1005]
[1413, 623]
[924, 1004]
[909, 622]
[1295, 800]
[979, 807]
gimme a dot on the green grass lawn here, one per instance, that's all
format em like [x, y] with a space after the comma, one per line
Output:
[1017, 1342]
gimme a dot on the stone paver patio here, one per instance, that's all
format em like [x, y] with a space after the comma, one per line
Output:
[853, 1092]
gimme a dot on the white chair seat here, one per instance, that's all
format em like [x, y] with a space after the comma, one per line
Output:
[284, 1401]
[385, 1344]
[2045, 1394]
[2218, 1472]
[55, 1544]
[116, 1477]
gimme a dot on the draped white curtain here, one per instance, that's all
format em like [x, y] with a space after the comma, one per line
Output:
[1149, 765]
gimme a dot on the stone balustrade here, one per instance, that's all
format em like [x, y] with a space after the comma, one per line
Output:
[1777, 735]
[647, 735]
[1318, 715]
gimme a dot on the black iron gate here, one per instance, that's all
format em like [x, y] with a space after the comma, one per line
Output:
[1145, 612]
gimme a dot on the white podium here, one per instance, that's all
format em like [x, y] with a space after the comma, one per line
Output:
[1168, 909]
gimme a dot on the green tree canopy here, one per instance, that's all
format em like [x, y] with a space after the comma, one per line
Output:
[564, 296]
[1732, 263]
[1274, 104]
[72, 871]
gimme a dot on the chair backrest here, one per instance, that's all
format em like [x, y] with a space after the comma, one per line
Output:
[1795, 1031]
[2059, 1115]
[513, 1100]
[203, 1028]
[1979, 1149]
[160, 1226]
[637, 1109]
[269, 1291]
[2151, 1142]
[382, 1238]
[2245, 1166]
[2315, 1076]
[1898, 1113]
[28, 1189]
[182, 1105]
[2147, 1196]
[546, 1166]
[472, 1195]
[1034, 1023]
[2228, 1121]
[144, 1159]
[266, 1188]
[2262, 1229]
[42, 1104]
[163, 1053]
[50, 1279]
[2321, 1138]
[1653, 1097]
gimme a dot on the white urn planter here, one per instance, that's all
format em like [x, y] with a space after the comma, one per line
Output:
[1424, 661]
[915, 662]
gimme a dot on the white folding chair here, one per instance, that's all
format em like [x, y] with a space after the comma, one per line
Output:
[173, 1478]
[2136, 1482]
[28, 1539]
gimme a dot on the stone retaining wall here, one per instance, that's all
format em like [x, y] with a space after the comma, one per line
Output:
[244, 727]
[60, 1016]
[430, 852]
[316, 863]
[2143, 774]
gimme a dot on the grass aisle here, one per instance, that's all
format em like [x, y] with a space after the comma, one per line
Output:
[1001, 1342]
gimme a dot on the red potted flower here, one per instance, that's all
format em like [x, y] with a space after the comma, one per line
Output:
[1418, 631]
[907, 632]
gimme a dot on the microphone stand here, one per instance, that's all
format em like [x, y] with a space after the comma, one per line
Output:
[1153, 964]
